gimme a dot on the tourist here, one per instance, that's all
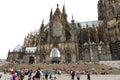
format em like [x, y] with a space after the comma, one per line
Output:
[93, 70]
[53, 75]
[73, 74]
[0, 75]
[46, 73]
[29, 74]
[37, 74]
[78, 75]
[88, 75]
[59, 71]
[13, 75]
[22, 74]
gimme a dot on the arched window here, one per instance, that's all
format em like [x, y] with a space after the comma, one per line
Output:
[95, 54]
[68, 58]
[87, 55]
[103, 50]
[67, 35]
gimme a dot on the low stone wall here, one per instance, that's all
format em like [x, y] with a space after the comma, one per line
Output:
[111, 63]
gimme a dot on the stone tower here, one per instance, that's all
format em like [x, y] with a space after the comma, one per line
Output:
[109, 12]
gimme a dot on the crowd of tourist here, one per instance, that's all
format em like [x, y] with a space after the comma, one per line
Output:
[40, 74]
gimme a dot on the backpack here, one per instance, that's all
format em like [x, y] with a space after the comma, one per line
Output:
[14, 77]
[73, 73]
[37, 75]
[50, 76]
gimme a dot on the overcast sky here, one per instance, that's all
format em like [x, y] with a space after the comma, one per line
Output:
[19, 17]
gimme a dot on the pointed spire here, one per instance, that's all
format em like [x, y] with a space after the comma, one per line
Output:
[9, 51]
[63, 10]
[43, 21]
[57, 5]
[72, 16]
[64, 13]
[72, 19]
[51, 15]
[42, 25]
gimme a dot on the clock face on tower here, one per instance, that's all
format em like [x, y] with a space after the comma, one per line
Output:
[57, 30]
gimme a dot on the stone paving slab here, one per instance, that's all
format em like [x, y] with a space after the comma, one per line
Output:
[68, 77]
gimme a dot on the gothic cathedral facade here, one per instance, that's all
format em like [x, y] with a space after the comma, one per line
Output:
[62, 41]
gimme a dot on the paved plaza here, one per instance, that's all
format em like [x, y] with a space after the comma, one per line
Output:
[68, 77]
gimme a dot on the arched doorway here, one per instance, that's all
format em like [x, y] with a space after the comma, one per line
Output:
[55, 55]
[31, 60]
[80, 56]
[68, 58]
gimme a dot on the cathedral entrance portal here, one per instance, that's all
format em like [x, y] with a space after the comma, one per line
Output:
[68, 58]
[55, 55]
[31, 60]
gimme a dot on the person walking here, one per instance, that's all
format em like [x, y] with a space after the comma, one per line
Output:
[37, 74]
[53, 75]
[22, 74]
[73, 74]
[46, 73]
[88, 75]
[78, 75]
[29, 74]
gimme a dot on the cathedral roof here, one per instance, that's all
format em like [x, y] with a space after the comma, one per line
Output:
[30, 49]
[18, 48]
[89, 23]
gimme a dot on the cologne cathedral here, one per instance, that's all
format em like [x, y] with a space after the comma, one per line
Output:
[62, 41]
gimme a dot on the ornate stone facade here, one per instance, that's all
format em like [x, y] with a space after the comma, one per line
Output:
[109, 13]
[86, 41]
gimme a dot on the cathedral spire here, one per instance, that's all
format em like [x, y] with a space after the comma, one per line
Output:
[72, 21]
[64, 12]
[43, 21]
[72, 16]
[51, 15]
[57, 5]
[42, 25]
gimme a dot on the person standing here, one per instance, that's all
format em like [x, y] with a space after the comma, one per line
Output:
[88, 75]
[46, 73]
[53, 75]
[21, 75]
[37, 74]
[73, 74]
[29, 74]
[78, 75]
[0, 75]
